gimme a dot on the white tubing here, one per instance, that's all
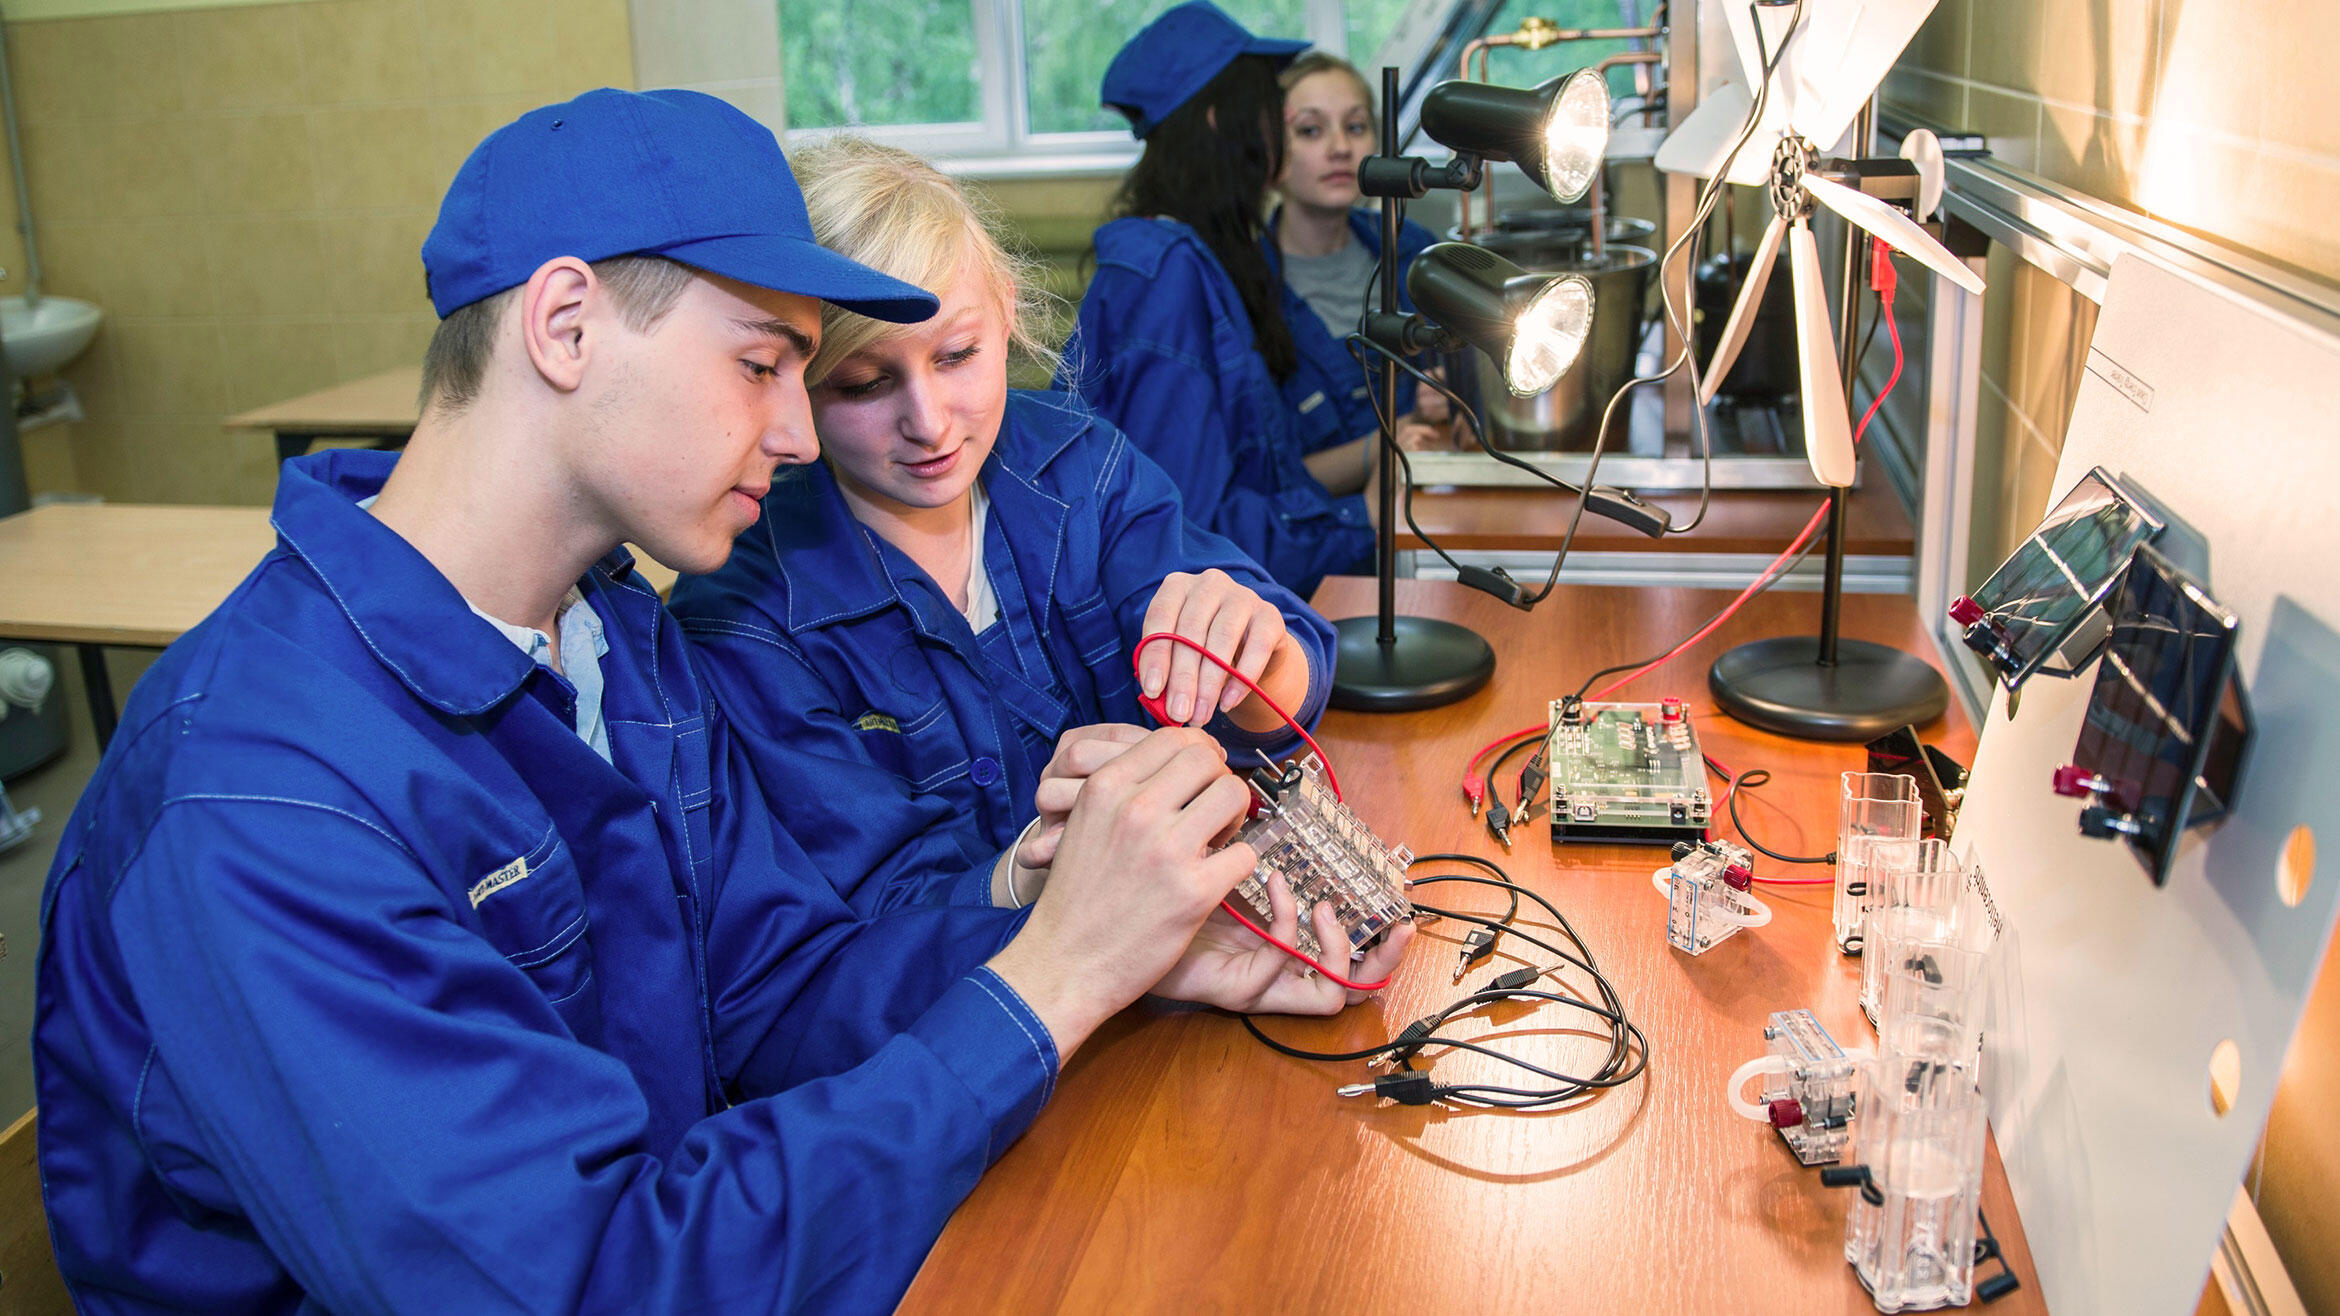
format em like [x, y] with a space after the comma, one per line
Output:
[1736, 1093]
[1757, 913]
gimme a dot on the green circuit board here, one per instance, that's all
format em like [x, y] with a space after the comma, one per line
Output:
[1628, 773]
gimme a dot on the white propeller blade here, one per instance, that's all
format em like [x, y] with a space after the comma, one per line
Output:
[1698, 146]
[1899, 231]
[1828, 441]
[1743, 312]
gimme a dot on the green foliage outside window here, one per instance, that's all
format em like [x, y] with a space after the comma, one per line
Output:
[1068, 43]
[885, 63]
[881, 63]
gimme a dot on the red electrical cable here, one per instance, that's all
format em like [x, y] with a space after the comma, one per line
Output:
[1153, 704]
[1474, 788]
[1722, 806]
[1296, 953]
[1778, 564]
[1893, 330]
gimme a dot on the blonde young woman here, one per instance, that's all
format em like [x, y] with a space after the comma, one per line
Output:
[924, 628]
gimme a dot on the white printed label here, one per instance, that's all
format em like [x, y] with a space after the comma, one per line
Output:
[498, 880]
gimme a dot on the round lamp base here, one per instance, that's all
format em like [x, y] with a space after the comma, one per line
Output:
[1432, 663]
[1779, 685]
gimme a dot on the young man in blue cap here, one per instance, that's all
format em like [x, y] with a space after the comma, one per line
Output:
[1182, 340]
[421, 945]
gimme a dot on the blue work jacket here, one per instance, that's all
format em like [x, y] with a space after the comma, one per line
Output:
[1162, 348]
[367, 986]
[1329, 374]
[840, 662]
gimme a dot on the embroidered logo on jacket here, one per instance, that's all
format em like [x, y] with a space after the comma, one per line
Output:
[498, 880]
[877, 722]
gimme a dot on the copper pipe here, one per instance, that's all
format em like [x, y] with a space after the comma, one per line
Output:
[1535, 34]
[1600, 208]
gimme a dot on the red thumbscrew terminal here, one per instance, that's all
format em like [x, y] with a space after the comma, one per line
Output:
[1669, 710]
[1965, 611]
[1786, 1113]
[1738, 877]
[2077, 782]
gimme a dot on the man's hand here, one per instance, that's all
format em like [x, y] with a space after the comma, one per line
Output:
[1228, 618]
[1079, 753]
[1230, 967]
[1133, 878]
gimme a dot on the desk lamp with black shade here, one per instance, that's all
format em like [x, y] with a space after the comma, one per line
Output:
[1533, 326]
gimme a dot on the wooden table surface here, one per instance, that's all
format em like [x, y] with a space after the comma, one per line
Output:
[1183, 1167]
[1740, 521]
[383, 404]
[135, 575]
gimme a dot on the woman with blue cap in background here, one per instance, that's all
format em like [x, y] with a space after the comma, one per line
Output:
[1326, 249]
[1183, 340]
[930, 623]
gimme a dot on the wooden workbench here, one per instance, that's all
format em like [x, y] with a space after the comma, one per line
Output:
[125, 575]
[1182, 1167]
[382, 408]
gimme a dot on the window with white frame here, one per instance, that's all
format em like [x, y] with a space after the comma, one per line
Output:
[1003, 81]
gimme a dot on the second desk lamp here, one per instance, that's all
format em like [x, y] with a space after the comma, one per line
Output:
[1533, 326]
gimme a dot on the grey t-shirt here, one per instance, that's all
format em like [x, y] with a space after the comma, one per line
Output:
[1333, 286]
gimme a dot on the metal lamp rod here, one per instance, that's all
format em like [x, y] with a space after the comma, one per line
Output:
[1384, 464]
[1847, 353]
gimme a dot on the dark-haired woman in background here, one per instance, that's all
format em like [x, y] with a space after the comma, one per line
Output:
[1182, 340]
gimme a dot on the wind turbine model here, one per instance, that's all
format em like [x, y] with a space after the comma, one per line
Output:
[1811, 66]
[1830, 55]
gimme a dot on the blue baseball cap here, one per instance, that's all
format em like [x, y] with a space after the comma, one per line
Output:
[677, 174]
[1177, 55]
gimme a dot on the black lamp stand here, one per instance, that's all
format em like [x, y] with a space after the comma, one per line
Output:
[1387, 663]
[1826, 687]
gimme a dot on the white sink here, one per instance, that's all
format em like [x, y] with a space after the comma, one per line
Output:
[41, 339]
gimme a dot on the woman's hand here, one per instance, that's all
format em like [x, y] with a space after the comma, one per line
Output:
[1238, 626]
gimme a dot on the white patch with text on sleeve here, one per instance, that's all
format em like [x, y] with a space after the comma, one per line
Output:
[498, 880]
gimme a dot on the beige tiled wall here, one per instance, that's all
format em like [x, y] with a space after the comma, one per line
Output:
[2216, 115]
[2219, 116]
[2212, 115]
[244, 192]
[726, 48]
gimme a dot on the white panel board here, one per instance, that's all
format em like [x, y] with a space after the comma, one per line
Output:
[2225, 409]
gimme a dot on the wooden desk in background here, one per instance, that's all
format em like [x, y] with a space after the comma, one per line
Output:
[123, 575]
[1184, 1167]
[381, 407]
[1740, 521]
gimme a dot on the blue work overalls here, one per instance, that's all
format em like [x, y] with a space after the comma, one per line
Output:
[840, 662]
[368, 986]
[1162, 348]
[1329, 374]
